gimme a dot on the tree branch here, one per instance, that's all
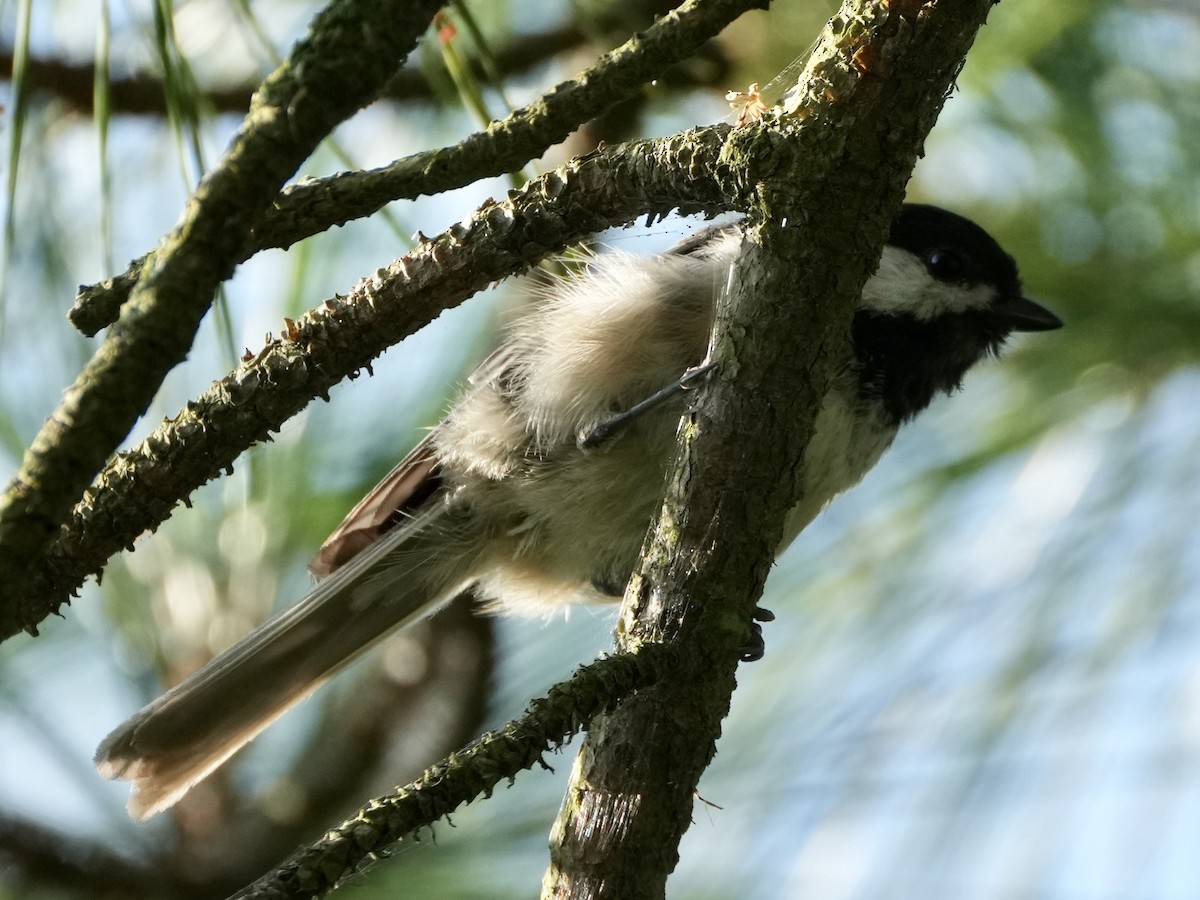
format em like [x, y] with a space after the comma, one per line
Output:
[352, 48]
[140, 487]
[142, 94]
[315, 870]
[48, 859]
[316, 205]
[74, 85]
[829, 175]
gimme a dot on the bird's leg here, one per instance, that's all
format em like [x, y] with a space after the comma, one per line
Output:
[756, 647]
[590, 438]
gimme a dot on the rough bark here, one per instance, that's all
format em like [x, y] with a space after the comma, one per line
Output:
[352, 48]
[827, 175]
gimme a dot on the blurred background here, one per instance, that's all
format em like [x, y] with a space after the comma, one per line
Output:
[983, 681]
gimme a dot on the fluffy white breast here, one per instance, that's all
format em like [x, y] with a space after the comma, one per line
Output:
[602, 342]
[848, 439]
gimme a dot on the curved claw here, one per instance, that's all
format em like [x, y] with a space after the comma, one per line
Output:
[756, 647]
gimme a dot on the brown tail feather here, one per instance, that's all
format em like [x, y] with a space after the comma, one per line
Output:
[181, 737]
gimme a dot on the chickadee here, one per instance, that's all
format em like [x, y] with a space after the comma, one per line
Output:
[527, 493]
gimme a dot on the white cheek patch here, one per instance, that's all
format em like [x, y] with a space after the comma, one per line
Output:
[903, 285]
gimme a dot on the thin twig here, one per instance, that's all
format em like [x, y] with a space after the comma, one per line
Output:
[141, 94]
[472, 772]
[317, 205]
[351, 49]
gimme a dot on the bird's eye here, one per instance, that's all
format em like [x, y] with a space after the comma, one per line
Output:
[946, 265]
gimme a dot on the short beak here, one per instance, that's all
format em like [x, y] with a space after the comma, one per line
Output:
[1022, 314]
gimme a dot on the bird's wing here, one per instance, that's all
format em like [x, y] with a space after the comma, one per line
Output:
[401, 492]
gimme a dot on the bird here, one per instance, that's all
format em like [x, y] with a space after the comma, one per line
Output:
[539, 485]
